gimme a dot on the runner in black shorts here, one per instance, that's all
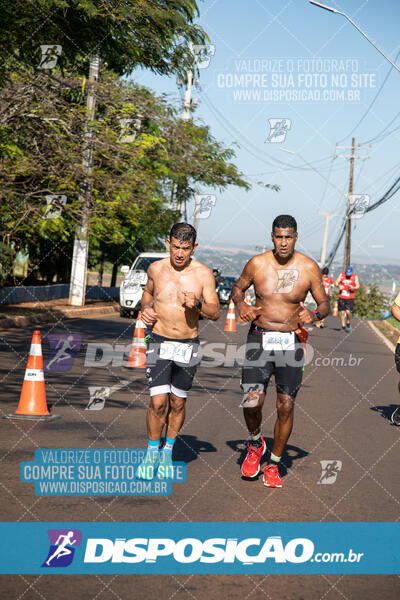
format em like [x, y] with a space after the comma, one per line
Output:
[179, 289]
[281, 278]
[348, 283]
[260, 364]
[166, 375]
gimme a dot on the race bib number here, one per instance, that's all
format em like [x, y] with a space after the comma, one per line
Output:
[345, 293]
[277, 340]
[176, 351]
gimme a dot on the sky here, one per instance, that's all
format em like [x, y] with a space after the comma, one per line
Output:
[312, 72]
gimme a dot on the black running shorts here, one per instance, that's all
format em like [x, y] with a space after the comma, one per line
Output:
[397, 357]
[346, 304]
[260, 364]
[171, 364]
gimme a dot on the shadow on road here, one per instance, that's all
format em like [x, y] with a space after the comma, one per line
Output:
[188, 447]
[385, 411]
[290, 454]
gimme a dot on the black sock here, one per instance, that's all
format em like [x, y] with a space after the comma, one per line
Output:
[256, 443]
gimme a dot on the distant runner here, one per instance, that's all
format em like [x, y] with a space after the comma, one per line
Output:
[282, 278]
[328, 283]
[347, 282]
[395, 418]
[179, 289]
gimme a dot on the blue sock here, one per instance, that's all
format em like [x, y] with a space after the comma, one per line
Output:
[153, 444]
[169, 444]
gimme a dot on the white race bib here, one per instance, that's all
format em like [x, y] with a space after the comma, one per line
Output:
[278, 340]
[176, 351]
[345, 293]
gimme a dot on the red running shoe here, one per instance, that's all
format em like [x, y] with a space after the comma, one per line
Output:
[271, 477]
[251, 464]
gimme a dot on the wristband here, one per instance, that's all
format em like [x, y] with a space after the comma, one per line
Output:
[318, 315]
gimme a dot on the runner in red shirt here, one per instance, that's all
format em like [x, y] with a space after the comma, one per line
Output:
[327, 282]
[347, 283]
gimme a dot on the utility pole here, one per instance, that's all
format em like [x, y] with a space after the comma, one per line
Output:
[347, 247]
[77, 290]
[187, 102]
[325, 242]
[196, 208]
[188, 94]
[352, 157]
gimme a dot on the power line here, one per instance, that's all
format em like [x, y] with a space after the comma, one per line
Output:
[380, 136]
[251, 148]
[371, 105]
[394, 188]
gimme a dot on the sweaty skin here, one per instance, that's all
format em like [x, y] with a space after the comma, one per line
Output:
[280, 289]
[173, 288]
[281, 279]
[173, 294]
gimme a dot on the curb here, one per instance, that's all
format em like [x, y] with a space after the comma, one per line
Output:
[384, 339]
[52, 315]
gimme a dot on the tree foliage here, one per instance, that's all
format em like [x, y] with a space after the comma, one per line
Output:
[154, 34]
[137, 181]
[370, 302]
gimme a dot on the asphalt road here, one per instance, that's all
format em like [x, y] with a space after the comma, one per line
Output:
[341, 415]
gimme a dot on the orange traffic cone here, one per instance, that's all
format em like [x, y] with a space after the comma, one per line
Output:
[230, 323]
[247, 299]
[335, 311]
[137, 354]
[32, 403]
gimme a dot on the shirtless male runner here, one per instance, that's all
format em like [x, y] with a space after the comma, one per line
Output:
[282, 277]
[179, 289]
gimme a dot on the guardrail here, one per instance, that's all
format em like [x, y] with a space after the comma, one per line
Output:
[37, 293]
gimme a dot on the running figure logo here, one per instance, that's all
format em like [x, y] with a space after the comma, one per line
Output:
[330, 470]
[204, 205]
[55, 206]
[286, 280]
[63, 347]
[62, 547]
[202, 55]
[50, 54]
[358, 204]
[278, 129]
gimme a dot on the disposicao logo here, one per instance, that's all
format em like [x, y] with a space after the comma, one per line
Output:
[62, 547]
[190, 550]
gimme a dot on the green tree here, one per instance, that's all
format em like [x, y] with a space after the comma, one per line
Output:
[134, 179]
[154, 34]
[370, 302]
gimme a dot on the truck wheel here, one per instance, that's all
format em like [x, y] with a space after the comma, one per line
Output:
[123, 312]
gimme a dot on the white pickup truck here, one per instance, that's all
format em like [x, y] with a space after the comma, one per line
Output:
[131, 289]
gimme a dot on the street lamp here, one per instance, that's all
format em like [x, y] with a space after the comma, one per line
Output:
[338, 12]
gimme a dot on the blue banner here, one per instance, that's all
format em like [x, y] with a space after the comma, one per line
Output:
[209, 548]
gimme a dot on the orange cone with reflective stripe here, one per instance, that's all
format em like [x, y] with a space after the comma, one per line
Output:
[230, 323]
[32, 403]
[137, 354]
[335, 311]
